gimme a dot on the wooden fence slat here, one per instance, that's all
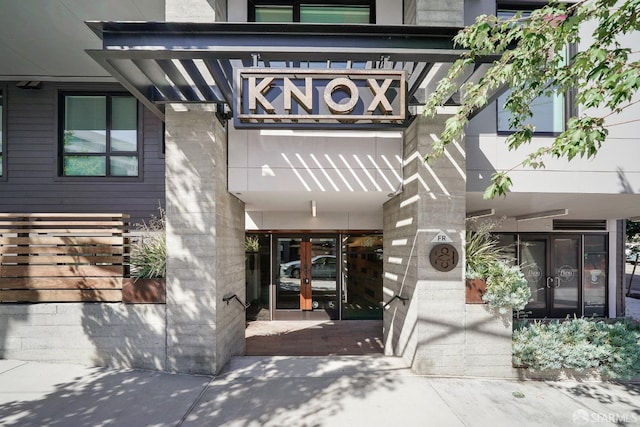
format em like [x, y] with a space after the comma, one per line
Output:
[61, 270]
[73, 295]
[4, 224]
[63, 215]
[63, 257]
[71, 250]
[61, 283]
[67, 259]
[71, 231]
[71, 240]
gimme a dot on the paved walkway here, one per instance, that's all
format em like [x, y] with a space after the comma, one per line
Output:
[314, 338]
[332, 391]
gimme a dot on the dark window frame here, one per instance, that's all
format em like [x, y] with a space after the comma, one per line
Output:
[3, 132]
[582, 257]
[108, 153]
[568, 101]
[251, 7]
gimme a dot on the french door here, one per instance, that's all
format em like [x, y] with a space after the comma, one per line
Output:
[306, 282]
[552, 267]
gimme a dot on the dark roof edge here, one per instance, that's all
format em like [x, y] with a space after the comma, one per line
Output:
[257, 28]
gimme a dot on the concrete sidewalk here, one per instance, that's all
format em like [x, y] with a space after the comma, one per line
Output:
[301, 391]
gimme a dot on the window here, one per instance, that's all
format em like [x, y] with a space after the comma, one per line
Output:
[99, 135]
[1, 135]
[549, 112]
[326, 12]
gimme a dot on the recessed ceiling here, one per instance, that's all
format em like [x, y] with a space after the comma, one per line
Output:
[46, 39]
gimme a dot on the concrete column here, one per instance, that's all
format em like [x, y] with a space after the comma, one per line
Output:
[435, 331]
[205, 245]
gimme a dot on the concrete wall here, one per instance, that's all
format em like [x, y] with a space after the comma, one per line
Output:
[205, 238]
[119, 335]
[435, 331]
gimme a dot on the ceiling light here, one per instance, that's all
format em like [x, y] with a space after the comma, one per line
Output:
[314, 211]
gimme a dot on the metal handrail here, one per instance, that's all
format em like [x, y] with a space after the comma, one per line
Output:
[395, 297]
[234, 296]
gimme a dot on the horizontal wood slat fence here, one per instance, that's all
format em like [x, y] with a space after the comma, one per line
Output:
[63, 257]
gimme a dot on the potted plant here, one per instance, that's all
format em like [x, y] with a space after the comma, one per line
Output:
[491, 277]
[481, 250]
[148, 261]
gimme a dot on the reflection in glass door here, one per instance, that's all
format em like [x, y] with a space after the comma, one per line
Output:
[306, 278]
[362, 276]
[564, 284]
[533, 258]
[288, 275]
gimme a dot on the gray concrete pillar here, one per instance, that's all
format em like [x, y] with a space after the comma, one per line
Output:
[205, 245]
[435, 331]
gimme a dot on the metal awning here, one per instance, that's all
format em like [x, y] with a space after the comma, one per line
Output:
[166, 62]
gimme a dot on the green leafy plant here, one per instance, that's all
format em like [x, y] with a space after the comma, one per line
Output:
[149, 250]
[611, 348]
[481, 249]
[530, 50]
[251, 244]
[507, 289]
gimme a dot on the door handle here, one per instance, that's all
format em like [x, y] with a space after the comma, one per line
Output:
[553, 282]
[550, 282]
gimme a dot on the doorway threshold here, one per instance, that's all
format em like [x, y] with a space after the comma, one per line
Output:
[314, 338]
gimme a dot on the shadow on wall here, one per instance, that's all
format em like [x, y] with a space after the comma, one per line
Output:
[625, 185]
[10, 313]
[126, 335]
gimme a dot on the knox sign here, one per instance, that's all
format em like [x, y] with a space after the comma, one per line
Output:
[303, 97]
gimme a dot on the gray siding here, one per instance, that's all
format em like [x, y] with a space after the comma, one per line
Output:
[31, 145]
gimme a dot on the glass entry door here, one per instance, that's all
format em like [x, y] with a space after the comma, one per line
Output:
[551, 265]
[306, 278]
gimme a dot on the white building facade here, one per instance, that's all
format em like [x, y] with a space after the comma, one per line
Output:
[285, 141]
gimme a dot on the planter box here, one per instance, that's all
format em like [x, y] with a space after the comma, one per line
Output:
[144, 291]
[474, 290]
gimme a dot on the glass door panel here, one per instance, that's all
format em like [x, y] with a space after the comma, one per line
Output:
[362, 277]
[324, 275]
[533, 258]
[257, 275]
[595, 275]
[552, 267]
[306, 281]
[566, 273]
[287, 280]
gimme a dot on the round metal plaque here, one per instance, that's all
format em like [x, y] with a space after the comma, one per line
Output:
[444, 257]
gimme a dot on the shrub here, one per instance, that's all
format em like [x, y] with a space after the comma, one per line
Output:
[507, 289]
[612, 348]
[481, 250]
[149, 250]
